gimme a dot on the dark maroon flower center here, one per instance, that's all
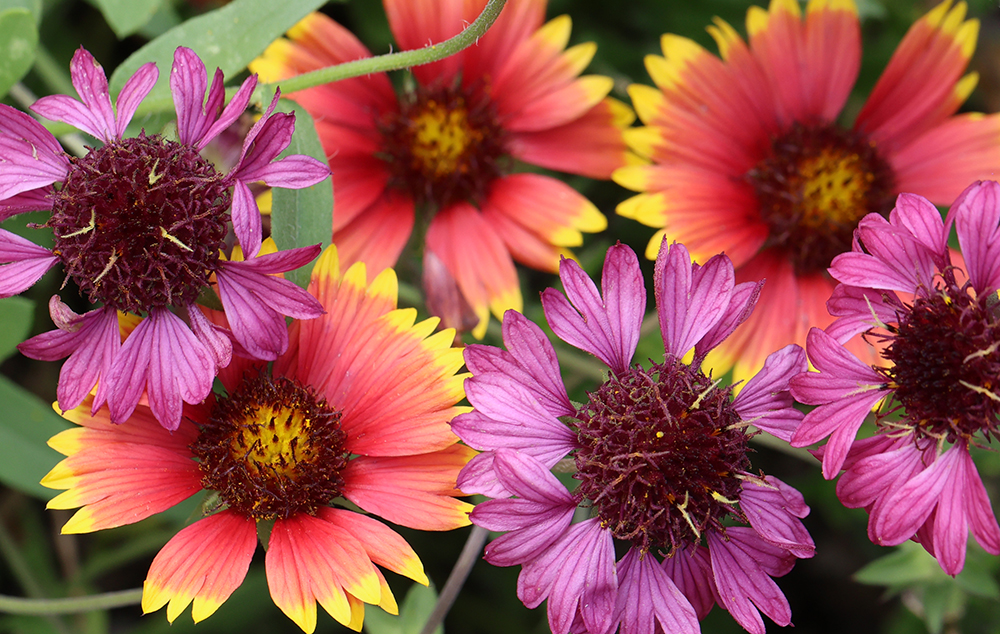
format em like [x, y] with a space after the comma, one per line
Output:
[139, 223]
[444, 146]
[660, 453]
[813, 187]
[272, 450]
[946, 364]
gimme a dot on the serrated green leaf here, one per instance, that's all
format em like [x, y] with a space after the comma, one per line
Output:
[18, 41]
[127, 16]
[228, 38]
[908, 565]
[33, 6]
[27, 424]
[16, 315]
[413, 614]
[302, 217]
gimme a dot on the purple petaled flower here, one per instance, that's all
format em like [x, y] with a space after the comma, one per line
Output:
[660, 453]
[938, 393]
[138, 225]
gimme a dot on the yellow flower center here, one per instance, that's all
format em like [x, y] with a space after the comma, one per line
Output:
[813, 187]
[271, 450]
[441, 137]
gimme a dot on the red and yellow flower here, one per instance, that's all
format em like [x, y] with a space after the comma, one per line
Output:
[357, 409]
[746, 157]
[439, 158]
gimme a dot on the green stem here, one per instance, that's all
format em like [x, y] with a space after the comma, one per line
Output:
[392, 61]
[70, 605]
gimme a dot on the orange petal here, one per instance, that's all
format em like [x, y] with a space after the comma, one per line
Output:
[412, 491]
[309, 560]
[205, 562]
[384, 546]
[479, 261]
[942, 162]
[920, 87]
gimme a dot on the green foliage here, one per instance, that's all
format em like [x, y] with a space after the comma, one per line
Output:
[16, 314]
[413, 614]
[127, 16]
[302, 217]
[18, 41]
[28, 424]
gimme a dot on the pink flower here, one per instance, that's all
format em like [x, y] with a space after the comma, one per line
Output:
[139, 223]
[939, 335]
[660, 453]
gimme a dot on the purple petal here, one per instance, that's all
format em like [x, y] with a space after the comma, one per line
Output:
[690, 299]
[31, 200]
[246, 220]
[647, 596]
[691, 571]
[213, 337]
[775, 514]
[19, 125]
[132, 94]
[859, 310]
[91, 342]
[163, 357]
[479, 476]
[292, 172]
[94, 115]
[273, 135]
[188, 81]
[976, 214]
[951, 527]
[878, 465]
[895, 260]
[256, 305]
[608, 328]
[743, 583]
[250, 140]
[921, 219]
[25, 262]
[978, 509]
[766, 400]
[24, 167]
[906, 507]
[236, 107]
[741, 305]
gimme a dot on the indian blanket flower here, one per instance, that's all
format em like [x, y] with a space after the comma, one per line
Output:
[660, 454]
[936, 390]
[747, 157]
[437, 160]
[357, 409]
[138, 225]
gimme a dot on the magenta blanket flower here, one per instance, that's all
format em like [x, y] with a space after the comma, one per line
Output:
[660, 453]
[934, 319]
[138, 225]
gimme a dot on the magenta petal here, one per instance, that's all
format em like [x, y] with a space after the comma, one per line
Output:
[982, 520]
[292, 172]
[741, 305]
[858, 309]
[743, 583]
[19, 125]
[236, 107]
[608, 328]
[188, 80]
[94, 115]
[775, 512]
[885, 466]
[251, 137]
[479, 476]
[25, 167]
[163, 357]
[647, 596]
[132, 94]
[256, 304]
[766, 401]
[895, 260]
[576, 573]
[690, 299]
[31, 200]
[921, 219]
[91, 342]
[691, 571]
[213, 337]
[951, 528]
[246, 220]
[24, 263]
[906, 507]
[976, 214]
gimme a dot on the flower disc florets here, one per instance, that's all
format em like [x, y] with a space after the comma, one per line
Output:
[272, 450]
[814, 186]
[443, 146]
[946, 365]
[660, 454]
[139, 223]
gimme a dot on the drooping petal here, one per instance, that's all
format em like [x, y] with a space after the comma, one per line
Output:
[647, 596]
[744, 585]
[204, 563]
[775, 511]
[23, 263]
[691, 571]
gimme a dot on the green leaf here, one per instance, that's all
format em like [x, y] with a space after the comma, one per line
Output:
[228, 38]
[16, 315]
[18, 41]
[127, 16]
[413, 613]
[942, 602]
[27, 424]
[976, 579]
[908, 565]
[34, 6]
[302, 217]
